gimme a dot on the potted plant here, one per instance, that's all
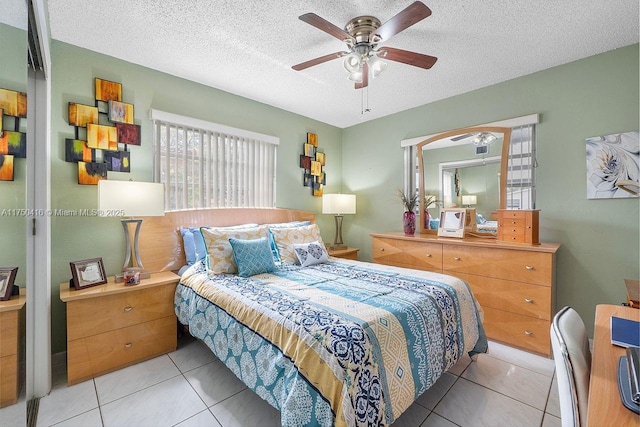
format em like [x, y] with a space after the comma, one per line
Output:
[410, 203]
[430, 201]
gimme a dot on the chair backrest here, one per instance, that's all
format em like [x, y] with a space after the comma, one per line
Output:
[573, 366]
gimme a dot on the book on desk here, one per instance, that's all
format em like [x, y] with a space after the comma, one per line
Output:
[625, 332]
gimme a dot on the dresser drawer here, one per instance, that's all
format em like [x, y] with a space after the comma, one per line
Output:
[407, 253]
[518, 330]
[8, 380]
[518, 265]
[8, 333]
[514, 297]
[98, 354]
[92, 316]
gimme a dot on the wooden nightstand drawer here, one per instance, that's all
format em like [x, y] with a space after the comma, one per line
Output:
[522, 331]
[8, 333]
[94, 316]
[98, 354]
[8, 380]
[519, 298]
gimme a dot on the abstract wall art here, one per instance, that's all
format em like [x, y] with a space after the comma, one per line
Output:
[613, 165]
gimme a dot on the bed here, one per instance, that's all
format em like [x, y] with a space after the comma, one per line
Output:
[334, 342]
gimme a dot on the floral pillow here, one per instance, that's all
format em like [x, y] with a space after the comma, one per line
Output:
[219, 251]
[310, 253]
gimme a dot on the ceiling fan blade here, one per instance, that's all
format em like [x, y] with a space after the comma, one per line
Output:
[365, 77]
[407, 57]
[414, 13]
[326, 26]
[316, 61]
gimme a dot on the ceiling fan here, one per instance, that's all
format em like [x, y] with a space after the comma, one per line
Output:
[363, 35]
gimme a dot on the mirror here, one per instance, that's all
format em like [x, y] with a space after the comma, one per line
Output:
[464, 168]
[13, 203]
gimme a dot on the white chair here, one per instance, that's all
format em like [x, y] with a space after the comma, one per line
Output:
[573, 366]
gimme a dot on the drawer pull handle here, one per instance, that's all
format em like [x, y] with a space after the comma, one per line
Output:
[457, 258]
[528, 300]
[529, 267]
[428, 255]
[128, 345]
[513, 222]
[128, 309]
[528, 333]
[381, 249]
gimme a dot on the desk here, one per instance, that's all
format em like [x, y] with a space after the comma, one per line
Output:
[605, 405]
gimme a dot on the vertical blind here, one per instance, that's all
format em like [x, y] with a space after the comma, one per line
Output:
[207, 165]
[521, 168]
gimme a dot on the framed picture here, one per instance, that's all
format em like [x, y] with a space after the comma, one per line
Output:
[13, 103]
[320, 157]
[6, 167]
[118, 161]
[128, 133]
[80, 115]
[108, 91]
[309, 150]
[7, 277]
[14, 143]
[76, 150]
[120, 112]
[102, 137]
[305, 162]
[88, 272]
[312, 139]
[90, 173]
[452, 222]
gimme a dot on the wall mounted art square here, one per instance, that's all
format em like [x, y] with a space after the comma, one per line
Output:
[120, 112]
[1, 116]
[128, 134]
[108, 91]
[309, 150]
[322, 178]
[318, 189]
[6, 167]
[91, 173]
[118, 161]
[320, 158]
[613, 165]
[80, 115]
[316, 168]
[102, 137]
[76, 150]
[312, 139]
[14, 143]
[305, 162]
[307, 180]
[13, 103]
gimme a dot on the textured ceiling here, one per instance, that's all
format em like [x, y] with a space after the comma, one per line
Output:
[248, 47]
[14, 13]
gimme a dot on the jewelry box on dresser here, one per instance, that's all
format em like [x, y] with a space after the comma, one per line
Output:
[514, 283]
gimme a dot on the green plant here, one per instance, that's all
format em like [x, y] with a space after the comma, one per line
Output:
[410, 202]
[430, 201]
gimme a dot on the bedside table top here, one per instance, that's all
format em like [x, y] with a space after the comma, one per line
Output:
[15, 303]
[341, 251]
[111, 287]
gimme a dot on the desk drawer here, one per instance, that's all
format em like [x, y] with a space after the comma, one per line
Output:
[518, 330]
[508, 264]
[514, 297]
[407, 253]
[97, 315]
[99, 354]
[8, 333]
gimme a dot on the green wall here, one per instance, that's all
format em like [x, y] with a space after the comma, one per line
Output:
[13, 76]
[594, 96]
[76, 238]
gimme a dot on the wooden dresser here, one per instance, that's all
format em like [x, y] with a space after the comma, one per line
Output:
[12, 317]
[514, 283]
[111, 326]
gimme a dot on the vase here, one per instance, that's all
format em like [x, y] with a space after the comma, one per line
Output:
[427, 220]
[409, 221]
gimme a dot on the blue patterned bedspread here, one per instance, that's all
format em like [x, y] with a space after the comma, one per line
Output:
[340, 343]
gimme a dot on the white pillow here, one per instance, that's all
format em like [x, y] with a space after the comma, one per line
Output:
[310, 253]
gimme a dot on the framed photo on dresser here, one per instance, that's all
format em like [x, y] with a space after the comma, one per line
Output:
[88, 272]
[7, 277]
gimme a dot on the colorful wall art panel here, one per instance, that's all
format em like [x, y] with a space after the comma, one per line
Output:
[118, 161]
[81, 115]
[128, 134]
[76, 150]
[102, 137]
[6, 167]
[91, 173]
[108, 91]
[14, 143]
[120, 112]
[613, 165]
[13, 103]
[313, 161]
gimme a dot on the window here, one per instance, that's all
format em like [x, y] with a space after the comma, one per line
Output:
[205, 164]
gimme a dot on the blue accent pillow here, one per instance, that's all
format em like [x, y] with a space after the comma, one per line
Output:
[272, 241]
[480, 219]
[252, 256]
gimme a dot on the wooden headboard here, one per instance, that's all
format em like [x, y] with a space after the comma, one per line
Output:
[161, 243]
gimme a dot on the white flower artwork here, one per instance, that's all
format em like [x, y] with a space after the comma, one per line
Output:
[613, 165]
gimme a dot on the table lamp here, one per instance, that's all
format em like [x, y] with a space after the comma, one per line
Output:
[338, 204]
[129, 198]
[470, 199]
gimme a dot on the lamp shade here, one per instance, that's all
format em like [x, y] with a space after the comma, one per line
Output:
[129, 198]
[470, 199]
[338, 204]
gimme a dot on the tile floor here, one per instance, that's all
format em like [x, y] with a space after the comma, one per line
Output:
[190, 387]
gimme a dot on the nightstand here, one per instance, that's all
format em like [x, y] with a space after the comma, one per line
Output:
[12, 317]
[346, 253]
[111, 326]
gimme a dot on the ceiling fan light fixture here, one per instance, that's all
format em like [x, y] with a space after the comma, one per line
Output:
[483, 138]
[356, 76]
[376, 66]
[352, 62]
